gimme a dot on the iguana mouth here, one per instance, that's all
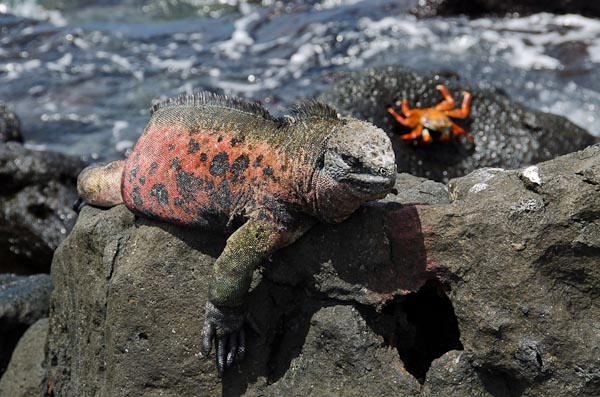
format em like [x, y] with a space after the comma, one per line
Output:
[370, 183]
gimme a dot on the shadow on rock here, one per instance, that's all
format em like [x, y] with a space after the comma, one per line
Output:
[378, 253]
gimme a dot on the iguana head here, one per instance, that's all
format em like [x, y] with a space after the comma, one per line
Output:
[360, 156]
[358, 165]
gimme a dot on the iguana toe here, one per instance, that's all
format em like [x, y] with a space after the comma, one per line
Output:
[224, 326]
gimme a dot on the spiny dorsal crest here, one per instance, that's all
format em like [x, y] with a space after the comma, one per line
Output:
[314, 109]
[209, 99]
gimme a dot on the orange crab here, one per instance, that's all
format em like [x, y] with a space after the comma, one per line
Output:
[437, 118]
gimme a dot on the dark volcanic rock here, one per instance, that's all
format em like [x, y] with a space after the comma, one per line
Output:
[507, 135]
[522, 252]
[428, 8]
[25, 375]
[23, 301]
[494, 294]
[38, 190]
[10, 126]
[134, 304]
[341, 344]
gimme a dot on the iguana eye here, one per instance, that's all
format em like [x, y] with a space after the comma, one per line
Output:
[350, 161]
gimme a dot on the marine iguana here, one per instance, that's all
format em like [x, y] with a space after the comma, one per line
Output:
[216, 162]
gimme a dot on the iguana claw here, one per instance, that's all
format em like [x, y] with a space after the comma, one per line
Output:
[225, 326]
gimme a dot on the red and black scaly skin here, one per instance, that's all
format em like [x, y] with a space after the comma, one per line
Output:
[203, 167]
[214, 162]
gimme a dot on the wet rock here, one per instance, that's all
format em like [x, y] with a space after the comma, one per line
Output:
[490, 295]
[428, 8]
[507, 134]
[38, 190]
[23, 301]
[26, 375]
[10, 126]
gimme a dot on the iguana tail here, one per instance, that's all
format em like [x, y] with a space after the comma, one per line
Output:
[100, 184]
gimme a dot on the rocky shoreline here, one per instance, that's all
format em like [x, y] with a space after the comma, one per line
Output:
[478, 276]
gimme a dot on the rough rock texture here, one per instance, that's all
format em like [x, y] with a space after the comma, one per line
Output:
[38, 191]
[522, 255]
[494, 294]
[341, 344]
[26, 375]
[429, 8]
[23, 301]
[507, 134]
[10, 126]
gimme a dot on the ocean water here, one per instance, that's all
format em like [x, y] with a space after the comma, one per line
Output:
[82, 76]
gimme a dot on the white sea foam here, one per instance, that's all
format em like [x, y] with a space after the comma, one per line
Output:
[115, 58]
[14, 70]
[523, 41]
[328, 4]
[118, 127]
[61, 64]
[123, 145]
[31, 9]
[240, 39]
[532, 173]
[172, 65]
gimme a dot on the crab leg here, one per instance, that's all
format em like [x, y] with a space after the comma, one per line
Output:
[448, 102]
[458, 131]
[426, 138]
[407, 122]
[405, 109]
[463, 112]
[414, 134]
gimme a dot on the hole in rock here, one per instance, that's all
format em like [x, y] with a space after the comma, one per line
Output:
[430, 315]
[426, 328]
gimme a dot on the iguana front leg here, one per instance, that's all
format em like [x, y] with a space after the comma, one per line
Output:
[246, 249]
